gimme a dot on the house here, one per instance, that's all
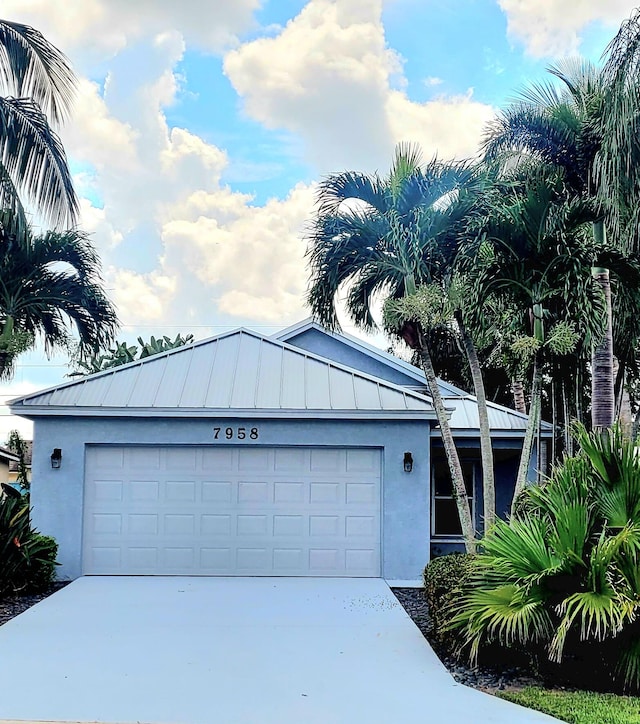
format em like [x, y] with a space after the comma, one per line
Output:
[6, 459]
[303, 454]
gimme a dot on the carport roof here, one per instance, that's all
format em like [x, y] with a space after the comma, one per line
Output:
[237, 373]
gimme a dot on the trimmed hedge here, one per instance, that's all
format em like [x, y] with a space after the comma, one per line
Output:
[444, 578]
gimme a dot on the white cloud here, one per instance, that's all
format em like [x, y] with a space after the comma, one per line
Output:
[330, 78]
[449, 126]
[324, 77]
[432, 81]
[96, 136]
[94, 30]
[143, 297]
[249, 260]
[553, 27]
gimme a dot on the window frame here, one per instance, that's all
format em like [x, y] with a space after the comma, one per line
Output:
[475, 469]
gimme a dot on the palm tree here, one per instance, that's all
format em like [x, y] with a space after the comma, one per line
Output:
[563, 127]
[395, 237]
[36, 83]
[536, 255]
[48, 284]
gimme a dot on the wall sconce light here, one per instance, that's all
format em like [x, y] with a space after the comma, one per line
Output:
[56, 458]
[408, 462]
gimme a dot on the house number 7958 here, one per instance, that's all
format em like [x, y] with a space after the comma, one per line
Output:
[237, 433]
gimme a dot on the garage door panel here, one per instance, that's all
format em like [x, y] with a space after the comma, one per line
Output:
[268, 513]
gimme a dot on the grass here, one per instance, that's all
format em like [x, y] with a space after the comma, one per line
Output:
[578, 707]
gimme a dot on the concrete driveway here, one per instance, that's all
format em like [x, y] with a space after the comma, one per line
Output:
[231, 651]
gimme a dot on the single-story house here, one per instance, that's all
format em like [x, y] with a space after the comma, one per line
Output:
[6, 458]
[308, 453]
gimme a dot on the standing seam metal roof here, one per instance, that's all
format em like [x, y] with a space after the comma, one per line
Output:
[238, 370]
[463, 405]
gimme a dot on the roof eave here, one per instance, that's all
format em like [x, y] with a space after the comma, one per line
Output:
[33, 412]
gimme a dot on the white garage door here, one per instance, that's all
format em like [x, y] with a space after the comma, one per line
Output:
[232, 511]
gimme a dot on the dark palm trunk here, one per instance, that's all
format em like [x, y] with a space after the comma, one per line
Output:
[602, 388]
[517, 389]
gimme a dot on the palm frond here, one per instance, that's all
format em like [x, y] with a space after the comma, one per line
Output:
[31, 67]
[351, 186]
[599, 614]
[51, 285]
[505, 614]
[34, 158]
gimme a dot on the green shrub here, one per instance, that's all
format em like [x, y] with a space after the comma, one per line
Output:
[562, 576]
[444, 578]
[27, 559]
[41, 569]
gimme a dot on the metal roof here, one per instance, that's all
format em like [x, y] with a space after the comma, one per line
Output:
[465, 416]
[446, 388]
[238, 372]
[463, 405]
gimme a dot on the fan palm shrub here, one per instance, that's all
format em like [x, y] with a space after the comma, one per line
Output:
[561, 577]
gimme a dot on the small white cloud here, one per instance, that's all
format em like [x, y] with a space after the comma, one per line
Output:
[432, 81]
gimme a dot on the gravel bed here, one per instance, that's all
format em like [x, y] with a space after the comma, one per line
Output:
[13, 605]
[491, 680]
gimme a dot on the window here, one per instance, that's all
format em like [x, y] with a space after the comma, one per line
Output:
[445, 522]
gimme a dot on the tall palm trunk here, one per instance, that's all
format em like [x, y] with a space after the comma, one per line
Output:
[532, 427]
[453, 459]
[7, 355]
[486, 449]
[517, 390]
[602, 387]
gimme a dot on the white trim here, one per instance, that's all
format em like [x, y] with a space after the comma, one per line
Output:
[212, 414]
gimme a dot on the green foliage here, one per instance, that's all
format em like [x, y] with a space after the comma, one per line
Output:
[427, 306]
[41, 570]
[444, 579]
[122, 353]
[563, 338]
[36, 84]
[578, 707]
[163, 344]
[27, 559]
[562, 576]
[17, 445]
[50, 283]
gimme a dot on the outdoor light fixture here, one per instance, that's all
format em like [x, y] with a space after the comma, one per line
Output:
[408, 462]
[56, 458]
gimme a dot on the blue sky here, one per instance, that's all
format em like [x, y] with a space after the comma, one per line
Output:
[200, 129]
